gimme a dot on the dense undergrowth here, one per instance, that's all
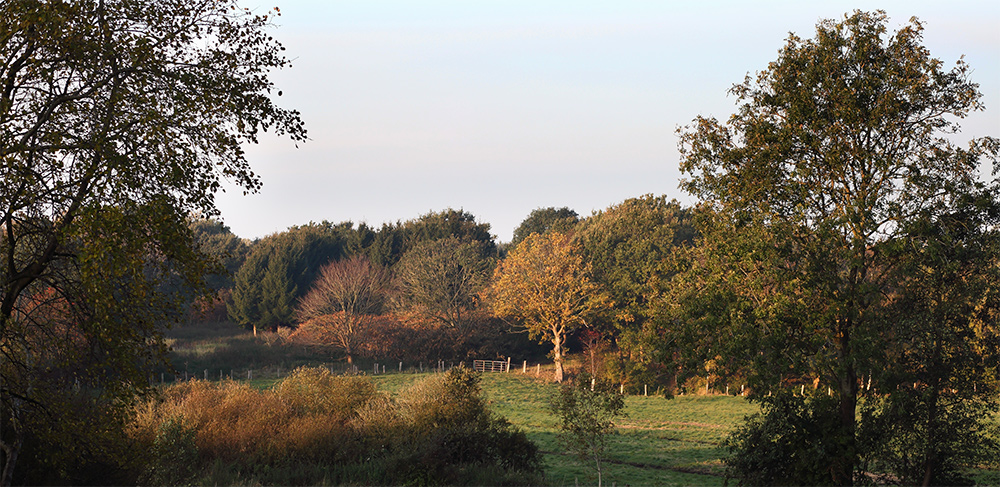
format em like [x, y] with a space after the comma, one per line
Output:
[315, 428]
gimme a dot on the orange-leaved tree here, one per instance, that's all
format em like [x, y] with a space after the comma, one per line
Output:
[543, 285]
[346, 297]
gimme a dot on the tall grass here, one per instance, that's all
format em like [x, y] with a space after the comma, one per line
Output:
[317, 428]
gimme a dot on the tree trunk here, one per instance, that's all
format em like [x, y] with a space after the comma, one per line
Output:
[557, 355]
[11, 451]
[843, 469]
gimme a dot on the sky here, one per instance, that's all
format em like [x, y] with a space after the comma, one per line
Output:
[501, 107]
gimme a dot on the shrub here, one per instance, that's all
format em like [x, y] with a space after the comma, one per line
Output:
[793, 441]
[174, 454]
[315, 427]
[450, 424]
[587, 410]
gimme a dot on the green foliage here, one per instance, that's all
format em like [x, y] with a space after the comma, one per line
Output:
[923, 436]
[118, 119]
[587, 411]
[174, 454]
[451, 424]
[629, 247]
[815, 192]
[218, 242]
[793, 441]
[441, 279]
[542, 220]
[280, 269]
[392, 241]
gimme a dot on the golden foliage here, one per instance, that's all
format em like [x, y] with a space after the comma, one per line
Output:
[543, 284]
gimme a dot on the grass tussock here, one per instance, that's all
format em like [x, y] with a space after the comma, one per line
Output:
[317, 428]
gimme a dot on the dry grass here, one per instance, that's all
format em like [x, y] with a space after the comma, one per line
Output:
[315, 427]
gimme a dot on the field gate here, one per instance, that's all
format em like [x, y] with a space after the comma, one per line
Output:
[491, 365]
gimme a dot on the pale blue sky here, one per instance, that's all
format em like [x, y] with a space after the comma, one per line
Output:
[500, 107]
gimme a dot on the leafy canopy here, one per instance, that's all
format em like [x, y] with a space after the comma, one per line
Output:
[543, 284]
[836, 150]
[117, 119]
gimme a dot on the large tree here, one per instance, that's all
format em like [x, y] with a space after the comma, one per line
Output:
[542, 220]
[441, 279]
[389, 244]
[544, 285]
[117, 119]
[816, 181]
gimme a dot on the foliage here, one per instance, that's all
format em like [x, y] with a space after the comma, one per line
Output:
[441, 279]
[344, 300]
[117, 119]
[813, 189]
[392, 241]
[932, 419]
[279, 271]
[629, 247]
[174, 454]
[542, 220]
[791, 442]
[451, 424]
[217, 241]
[314, 425]
[543, 283]
[587, 411]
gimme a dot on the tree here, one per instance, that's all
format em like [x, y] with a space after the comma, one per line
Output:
[116, 120]
[542, 220]
[934, 414]
[587, 409]
[216, 240]
[279, 270]
[343, 301]
[629, 246]
[543, 284]
[836, 149]
[392, 241]
[441, 279]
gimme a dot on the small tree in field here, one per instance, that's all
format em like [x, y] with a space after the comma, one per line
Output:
[587, 410]
[543, 284]
[346, 297]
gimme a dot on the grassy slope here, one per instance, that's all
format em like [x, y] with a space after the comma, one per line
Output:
[661, 442]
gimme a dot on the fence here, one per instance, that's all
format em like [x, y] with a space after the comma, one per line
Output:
[491, 365]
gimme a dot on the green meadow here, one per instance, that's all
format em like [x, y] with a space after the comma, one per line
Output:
[660, 442]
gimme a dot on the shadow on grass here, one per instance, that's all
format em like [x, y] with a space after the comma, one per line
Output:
[634, 460]
[230, 350]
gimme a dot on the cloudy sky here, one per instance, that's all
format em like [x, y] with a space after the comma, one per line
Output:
[498, 107]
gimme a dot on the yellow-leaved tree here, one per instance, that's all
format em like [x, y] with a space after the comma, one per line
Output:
[543, 285]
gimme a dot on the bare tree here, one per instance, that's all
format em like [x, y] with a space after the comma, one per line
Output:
[344, 300]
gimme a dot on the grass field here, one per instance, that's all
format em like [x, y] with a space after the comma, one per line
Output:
[660, 442]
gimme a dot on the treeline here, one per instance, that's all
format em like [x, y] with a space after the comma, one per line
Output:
[421, 289]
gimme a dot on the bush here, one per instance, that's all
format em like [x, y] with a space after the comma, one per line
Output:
[450, 422]
[586, 410]
[174, 454]
[316, 427]
[793, 441]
